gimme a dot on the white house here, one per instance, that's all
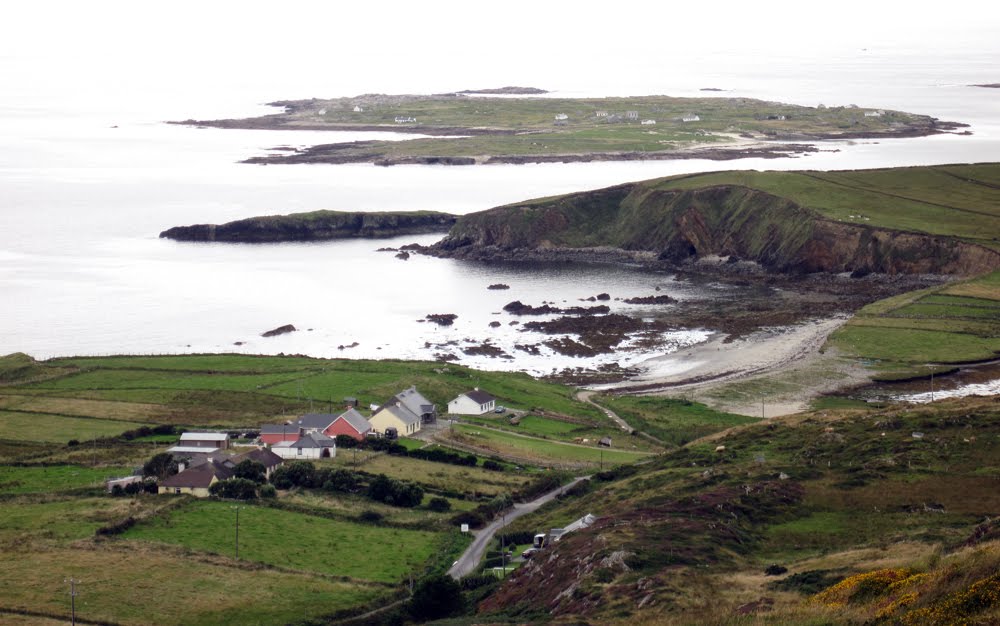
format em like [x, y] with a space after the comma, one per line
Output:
[648, 122]
[396, 417]
[312, 445]
[631, 115]
[475, 402]
[601, 114]
[358, 109]
[402, 119]
[561, 117]
[690, 118]
[874, 113]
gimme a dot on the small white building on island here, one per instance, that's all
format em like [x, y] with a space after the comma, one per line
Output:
[475, 402]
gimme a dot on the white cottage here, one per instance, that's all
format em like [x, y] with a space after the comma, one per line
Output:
[311, 445]
[475, 402]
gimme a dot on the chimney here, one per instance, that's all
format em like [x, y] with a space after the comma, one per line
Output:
[475, 388]
[181, 466]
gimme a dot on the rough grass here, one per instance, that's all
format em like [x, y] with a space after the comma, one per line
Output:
[294, 540]
[436, 476]
[542, 450]
[671, 420]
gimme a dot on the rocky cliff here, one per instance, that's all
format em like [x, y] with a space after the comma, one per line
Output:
[316, 226]
[673, 227]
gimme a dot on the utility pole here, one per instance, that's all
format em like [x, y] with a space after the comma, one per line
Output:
[762, 407]
[237, 509]
[72, 597]
[503, 552]
[602, 459]
[932, 384]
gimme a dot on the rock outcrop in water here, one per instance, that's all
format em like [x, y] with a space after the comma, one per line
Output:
[316, 226]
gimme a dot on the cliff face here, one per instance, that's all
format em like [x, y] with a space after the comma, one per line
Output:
[725, 220]
[315, 226]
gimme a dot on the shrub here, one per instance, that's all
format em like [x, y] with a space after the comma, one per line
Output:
[394, 492]
[234, 488]
[132, 489]
[72, 443]
[439, 505]
[268, 491]
[117, 491]
[435, 598]
[516, 538]
[297, 474]
[341, 480]
[775, 570]
[473, 518]
[370, 517]
[492, 465]
[160, 466]
[251, 470]
[346, 441]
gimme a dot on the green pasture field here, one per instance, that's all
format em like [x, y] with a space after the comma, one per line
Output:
[941, 200]
[295, 540]
[211, 389]
[543, 450]
[133, 583]
[908, 334]
[671, 420]
[56, 478]
[19, 426]
[432, 475]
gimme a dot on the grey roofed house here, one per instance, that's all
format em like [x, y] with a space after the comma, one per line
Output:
[200, 475]
[277, 429]
[357, 421]
[480, 396]
[402, 413]
[263, 456]
[314, 440]
[314, 421]
[416, 403]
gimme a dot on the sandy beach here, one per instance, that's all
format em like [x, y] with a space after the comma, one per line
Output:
[783, 367]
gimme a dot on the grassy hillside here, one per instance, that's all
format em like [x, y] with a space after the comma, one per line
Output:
[828, 496]
[939, 220]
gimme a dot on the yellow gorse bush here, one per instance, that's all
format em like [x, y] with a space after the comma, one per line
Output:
[866, 585]
[981, 595]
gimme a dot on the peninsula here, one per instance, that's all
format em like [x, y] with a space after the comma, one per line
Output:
[316, 226]
[466, 129]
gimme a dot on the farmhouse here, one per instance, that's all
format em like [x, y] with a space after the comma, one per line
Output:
[196, 480]
[560, 117]
[195, 443]
[475, 402]
[395, 418]
[648, 122]
[350, 422]
[631, 115]
[691, 118]
[312, 445]
[416, 403]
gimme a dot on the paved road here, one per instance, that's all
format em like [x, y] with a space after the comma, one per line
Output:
[467, 563]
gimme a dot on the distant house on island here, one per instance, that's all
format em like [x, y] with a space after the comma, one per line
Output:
[560, 117]
[691, 118]
[874, 113]
[631, 115]
[400, 119]
[601, 114]
[358, 109]
[475, 402]
[648, 122]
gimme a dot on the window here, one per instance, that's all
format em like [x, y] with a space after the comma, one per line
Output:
[299, 451]
[177, 489]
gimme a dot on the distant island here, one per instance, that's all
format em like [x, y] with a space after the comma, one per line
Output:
[462, 129]
[506, 91]
[989, 85]
[316, 226]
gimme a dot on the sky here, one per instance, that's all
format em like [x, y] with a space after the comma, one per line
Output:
[303, 49]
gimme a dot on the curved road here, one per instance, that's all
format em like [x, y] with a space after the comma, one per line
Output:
[584, 395]
[467, 563]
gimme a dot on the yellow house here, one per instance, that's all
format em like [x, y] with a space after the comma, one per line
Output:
[395, 416]
[198, 479]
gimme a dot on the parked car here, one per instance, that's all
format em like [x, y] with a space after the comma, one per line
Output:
[529, 552]
[500, 409]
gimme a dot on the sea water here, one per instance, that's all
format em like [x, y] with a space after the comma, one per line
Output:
[90, 174]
